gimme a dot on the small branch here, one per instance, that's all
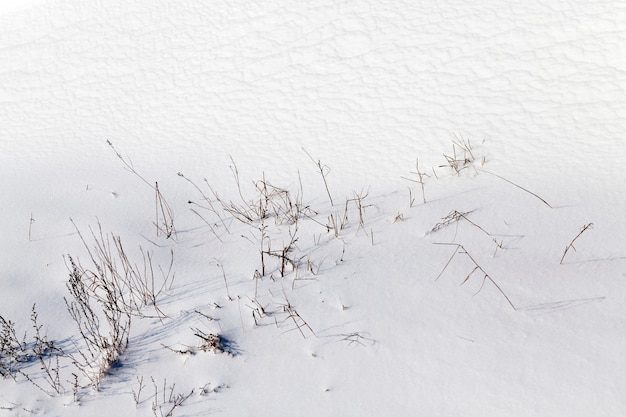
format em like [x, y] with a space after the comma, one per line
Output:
[324, 170]
[225, 281]
[571, 244]
[137, 395]
[421, 176]
[129, 165]
[518, 186]
[161, 205]
[452, 217]
[461, 249]
[30, 226]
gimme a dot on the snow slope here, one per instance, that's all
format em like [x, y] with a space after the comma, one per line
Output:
[13, 6]
[373, 320]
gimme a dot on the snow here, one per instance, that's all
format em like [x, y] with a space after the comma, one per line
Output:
[13, 6]
[378, 318]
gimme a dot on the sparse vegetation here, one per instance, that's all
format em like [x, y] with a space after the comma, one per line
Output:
[17, 354]
[111, 291]
[164, 216]
[460, 249]
[94, 298]
[462, 156]
[421, 176]
[12, 349]
[113, 270]
[104, 299]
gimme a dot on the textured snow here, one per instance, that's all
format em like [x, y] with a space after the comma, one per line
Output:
[367, 87]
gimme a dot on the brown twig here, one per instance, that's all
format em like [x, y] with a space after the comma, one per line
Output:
[518, 186]
[324, 170]
[461, 249]
[571, 244]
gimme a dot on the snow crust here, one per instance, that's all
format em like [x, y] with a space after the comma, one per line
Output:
[384, 317]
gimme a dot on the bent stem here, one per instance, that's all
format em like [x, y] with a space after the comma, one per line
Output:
[461, 249]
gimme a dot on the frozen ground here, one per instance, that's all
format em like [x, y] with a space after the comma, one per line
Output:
[382, 316]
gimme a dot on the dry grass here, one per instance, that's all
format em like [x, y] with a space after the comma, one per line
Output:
[462, 156]
[518, 186]
[460, 249]
[324, 170]
[571, 244]
[164, 217]
[421, 176]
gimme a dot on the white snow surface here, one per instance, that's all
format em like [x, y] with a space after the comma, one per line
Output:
[12, 6]
[382, 317]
